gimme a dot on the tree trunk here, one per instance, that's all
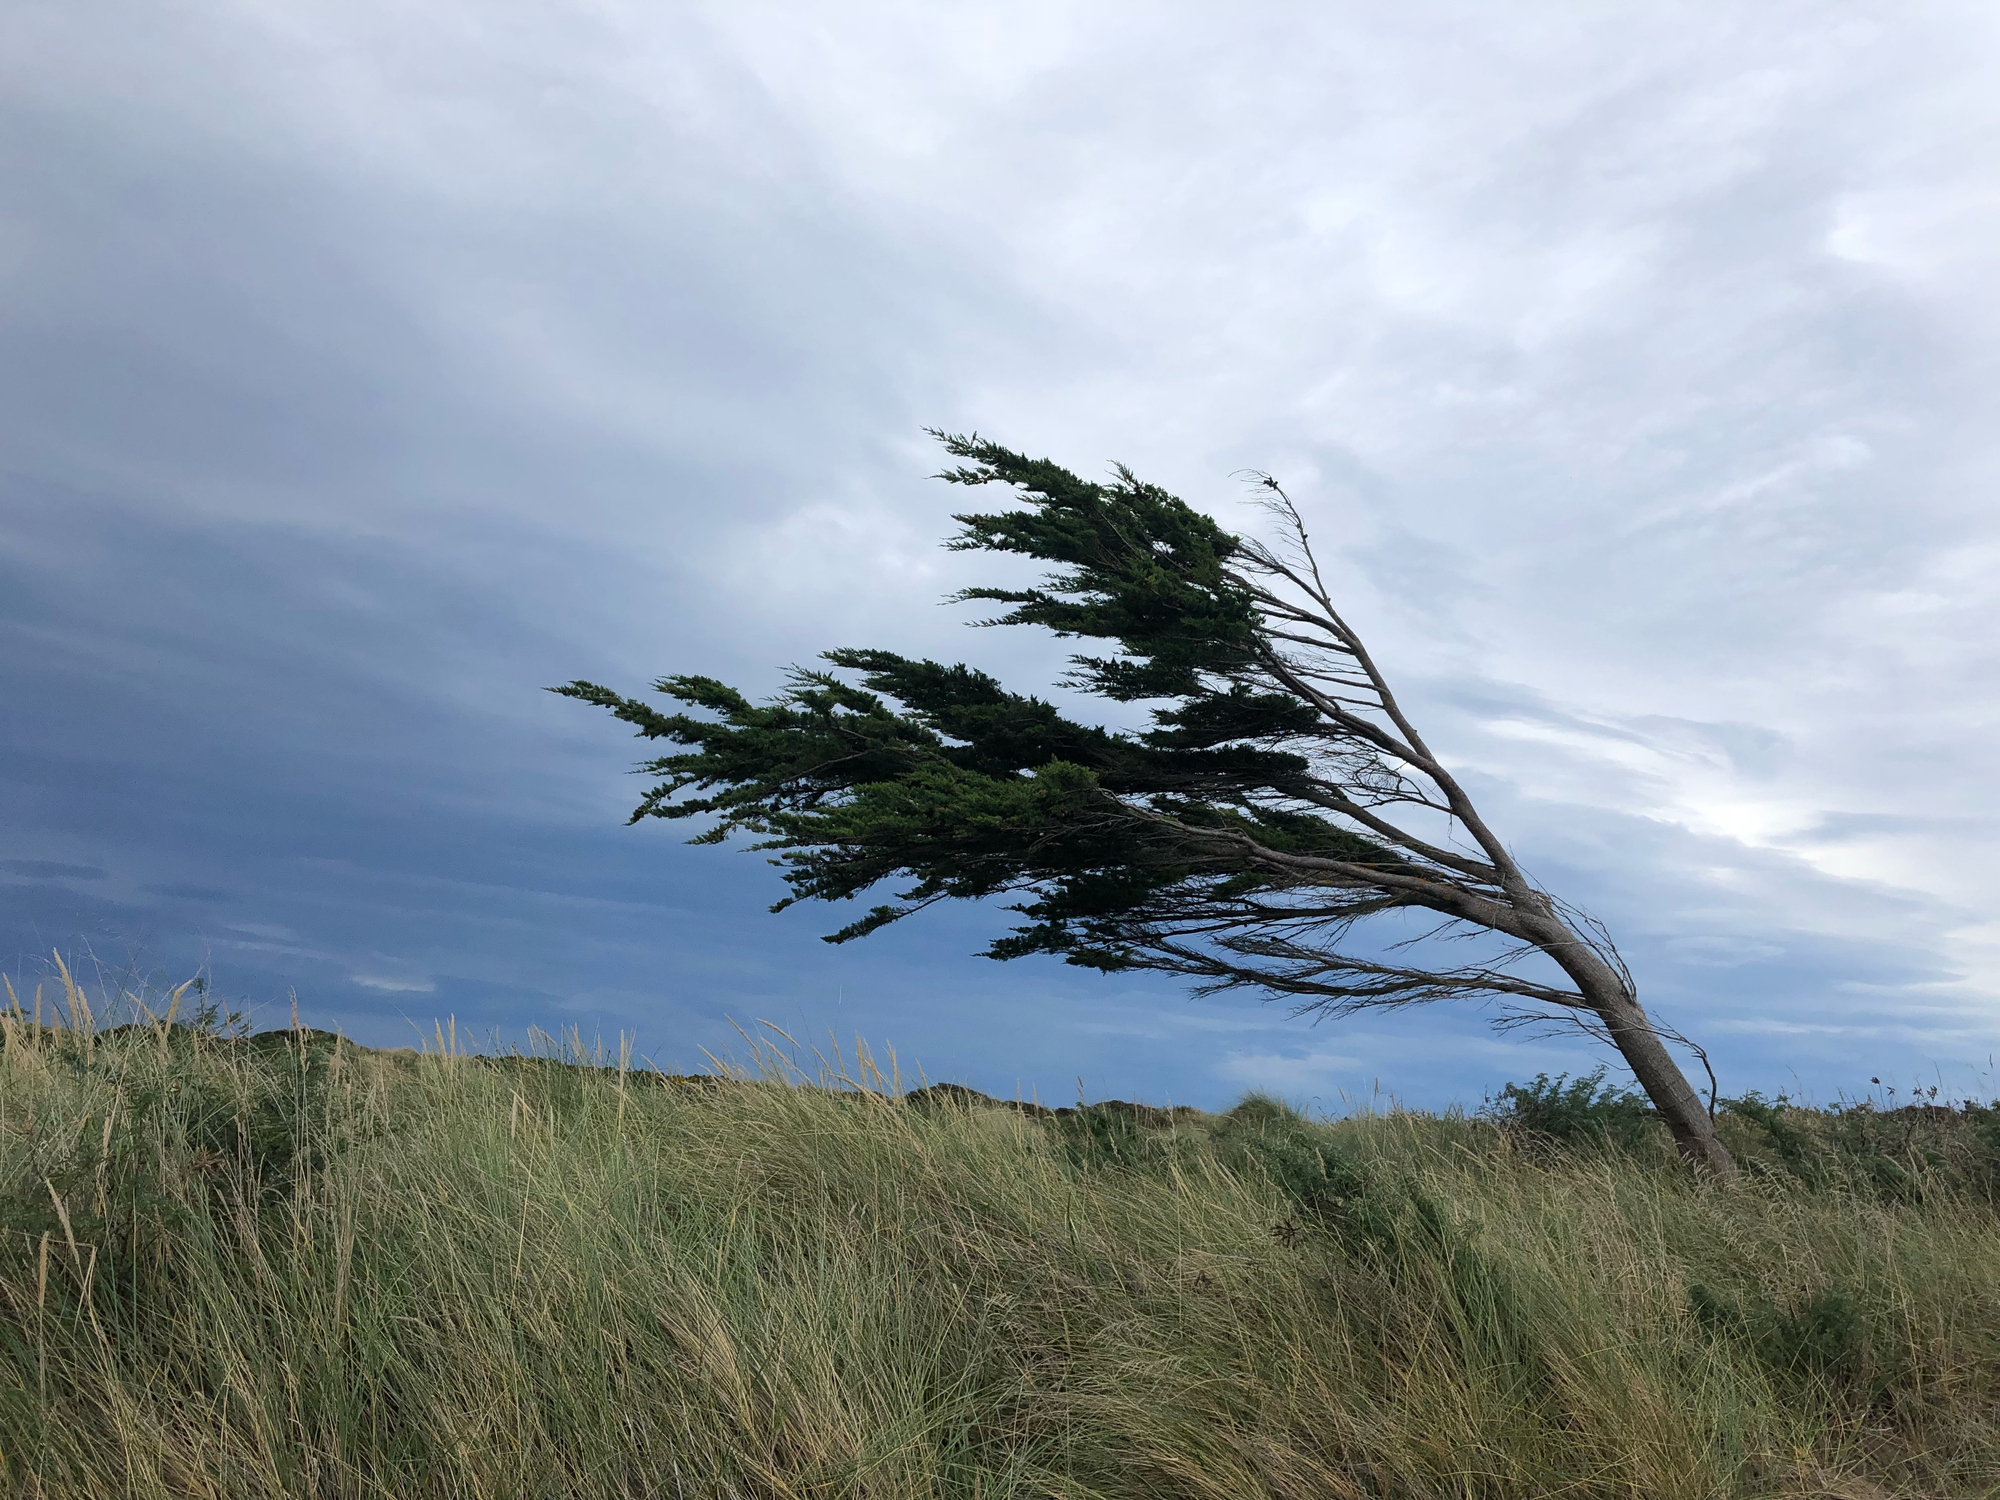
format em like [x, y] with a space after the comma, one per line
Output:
[1672, 1096]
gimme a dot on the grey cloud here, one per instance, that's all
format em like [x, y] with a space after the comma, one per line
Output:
[49, 869]
[183, 892]
[1846, 825]
[367, 371]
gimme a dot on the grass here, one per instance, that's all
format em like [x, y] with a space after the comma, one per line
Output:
[287, 1266]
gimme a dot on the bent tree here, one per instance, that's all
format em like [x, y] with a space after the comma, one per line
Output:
[1281, 797]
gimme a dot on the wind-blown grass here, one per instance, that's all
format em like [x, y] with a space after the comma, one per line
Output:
[286, 1266]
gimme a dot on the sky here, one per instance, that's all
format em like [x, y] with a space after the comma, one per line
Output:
[366, 368]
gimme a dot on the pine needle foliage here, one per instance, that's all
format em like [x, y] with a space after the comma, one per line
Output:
[939, 775]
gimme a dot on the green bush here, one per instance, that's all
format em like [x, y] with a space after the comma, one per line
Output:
[1103, 1136]
[1581, 1112]
[1824, 1335]
[1264, 1137]
[1899, 1154]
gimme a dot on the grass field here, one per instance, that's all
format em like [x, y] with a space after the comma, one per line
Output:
[286, 1266]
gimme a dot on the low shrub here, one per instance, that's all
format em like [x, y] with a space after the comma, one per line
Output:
[1576, 1113]
[1824, 1335]
[1893, 1153]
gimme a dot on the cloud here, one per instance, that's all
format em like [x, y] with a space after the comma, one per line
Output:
[364, 370]
[1287, 1073]
[1722, 952]
[389, 984]
[49, 869]
[184, 892]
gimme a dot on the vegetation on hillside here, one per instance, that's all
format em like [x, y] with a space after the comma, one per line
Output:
[285, 1266]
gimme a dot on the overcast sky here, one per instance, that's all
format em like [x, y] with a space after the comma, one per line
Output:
[366, 367]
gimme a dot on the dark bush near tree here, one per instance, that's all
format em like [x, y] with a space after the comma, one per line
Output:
[1584, 1111]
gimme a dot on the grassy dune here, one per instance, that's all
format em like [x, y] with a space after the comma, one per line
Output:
[286, 1266]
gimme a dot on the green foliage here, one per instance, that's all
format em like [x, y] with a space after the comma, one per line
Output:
[1265, 1136]
[937, 776]
[1897, 1154]
[1143, 569]
[1107, 1136]
[1824, 1336]
[1584, 1111]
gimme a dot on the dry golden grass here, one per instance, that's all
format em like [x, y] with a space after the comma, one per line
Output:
[288, 1267]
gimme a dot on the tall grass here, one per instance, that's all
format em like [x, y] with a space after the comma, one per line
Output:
[285, 1266]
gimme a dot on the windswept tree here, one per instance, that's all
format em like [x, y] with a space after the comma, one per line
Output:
[1280, 799]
